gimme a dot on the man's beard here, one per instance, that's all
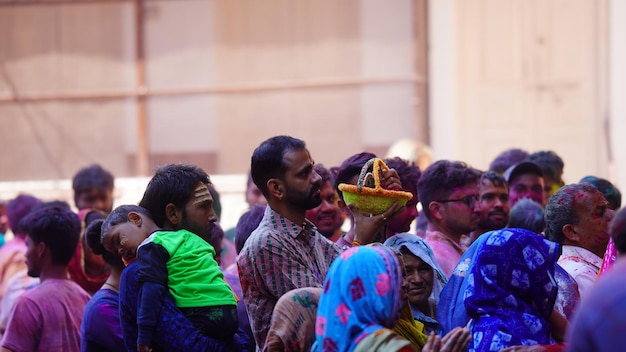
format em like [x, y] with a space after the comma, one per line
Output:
[305, 201]
[204, 233]
[490, 225]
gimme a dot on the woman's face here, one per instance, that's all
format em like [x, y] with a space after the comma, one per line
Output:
[418, 279]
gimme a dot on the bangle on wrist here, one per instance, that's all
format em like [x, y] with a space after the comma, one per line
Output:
[356, 243]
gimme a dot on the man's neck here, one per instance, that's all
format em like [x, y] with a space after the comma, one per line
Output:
[296, 216]
[53, 272]
[336, 235]
[476, 233]
[435, 226]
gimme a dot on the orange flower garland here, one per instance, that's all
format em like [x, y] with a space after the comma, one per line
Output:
[372, 200]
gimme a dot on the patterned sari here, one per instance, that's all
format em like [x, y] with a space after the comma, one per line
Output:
[360, 300]
[293, 321]
[511, 290]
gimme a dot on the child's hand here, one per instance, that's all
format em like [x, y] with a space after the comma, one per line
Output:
[144, 348]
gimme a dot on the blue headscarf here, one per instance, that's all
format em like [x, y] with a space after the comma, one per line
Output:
[422, 250]
[361, 295]
[511, 290]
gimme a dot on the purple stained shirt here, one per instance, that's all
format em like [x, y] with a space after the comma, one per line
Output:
[100, 329]
[47, 318]
[447, 252]
[231, 275]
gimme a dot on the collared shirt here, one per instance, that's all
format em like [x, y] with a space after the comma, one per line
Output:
[280, 256]
[582, 265]
[447, 251]
[600, 320]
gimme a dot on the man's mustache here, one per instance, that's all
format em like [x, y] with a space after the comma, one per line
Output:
[315, 188]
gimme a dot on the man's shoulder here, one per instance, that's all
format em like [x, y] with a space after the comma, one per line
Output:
[430, 235]
[438, 241]
[574, 256]
[12, 251]
[57, 287]
[265, 235]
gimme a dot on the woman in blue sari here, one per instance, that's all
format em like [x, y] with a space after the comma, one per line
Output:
[511, 290]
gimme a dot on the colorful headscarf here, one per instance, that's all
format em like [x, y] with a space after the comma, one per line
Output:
[293, 321]
[511, 290]
[361, 296]
[422, 250]
[76, 268]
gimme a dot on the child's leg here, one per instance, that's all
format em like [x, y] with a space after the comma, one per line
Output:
[218, 322]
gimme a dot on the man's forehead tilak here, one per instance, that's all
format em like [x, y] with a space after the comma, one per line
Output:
[201, 194]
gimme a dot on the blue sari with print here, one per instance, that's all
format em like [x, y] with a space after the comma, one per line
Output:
[511, 290]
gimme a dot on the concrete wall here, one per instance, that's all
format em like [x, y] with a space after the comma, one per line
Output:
[223, 75]
[522, 74]
[219, 77]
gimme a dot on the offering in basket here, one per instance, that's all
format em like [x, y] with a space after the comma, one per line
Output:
[368, 195]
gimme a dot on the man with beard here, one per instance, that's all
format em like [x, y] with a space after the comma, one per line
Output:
[493, 205]
[177, 197]
[286, 252]
[449, 194]
[327, 217]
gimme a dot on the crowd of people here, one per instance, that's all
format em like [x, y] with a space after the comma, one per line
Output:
[506, 259]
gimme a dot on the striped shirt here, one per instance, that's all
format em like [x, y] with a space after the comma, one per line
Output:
[280, 256]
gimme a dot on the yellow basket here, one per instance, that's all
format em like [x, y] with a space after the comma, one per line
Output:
[372, 200]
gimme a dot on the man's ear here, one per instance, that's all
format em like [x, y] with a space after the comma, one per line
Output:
[436, 210]
[172, 214]
[134, 218]
[276, 188]
[40, 249]
[570, 233]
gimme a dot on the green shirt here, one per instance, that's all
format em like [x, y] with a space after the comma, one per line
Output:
[185, 263]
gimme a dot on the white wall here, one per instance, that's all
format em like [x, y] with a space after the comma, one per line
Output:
[617, 92]
[442, 78]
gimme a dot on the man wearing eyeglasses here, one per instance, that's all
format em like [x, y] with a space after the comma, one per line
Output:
[448, 191]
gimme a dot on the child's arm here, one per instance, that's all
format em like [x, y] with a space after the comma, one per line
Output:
[152, 274]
